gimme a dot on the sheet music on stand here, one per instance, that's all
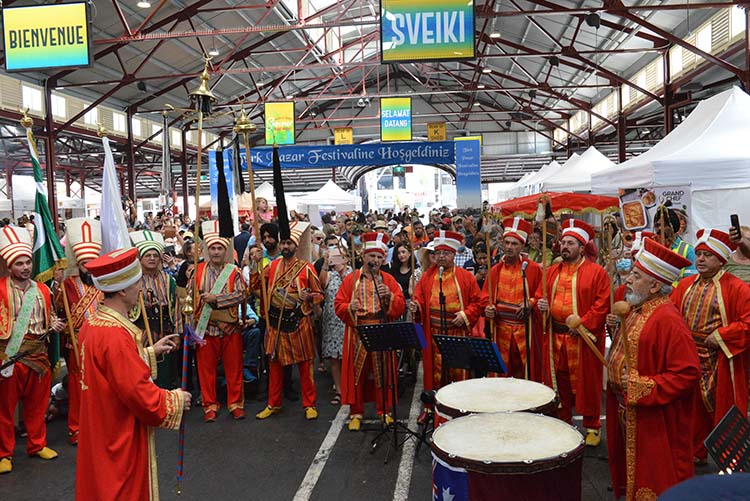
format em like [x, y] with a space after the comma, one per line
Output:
[473, 353]
[391, 336]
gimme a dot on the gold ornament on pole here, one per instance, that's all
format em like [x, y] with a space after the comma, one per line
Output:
[245, 127]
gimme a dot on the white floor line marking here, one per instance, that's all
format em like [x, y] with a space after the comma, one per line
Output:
[324, 452]
[405, 467]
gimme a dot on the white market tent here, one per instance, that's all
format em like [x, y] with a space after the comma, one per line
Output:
[708, 151]
[533, 183]
[515, 190]
[265, 190]
[577, 177]
[330, 196]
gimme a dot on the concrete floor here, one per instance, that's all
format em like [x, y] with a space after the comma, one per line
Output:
[265, 460]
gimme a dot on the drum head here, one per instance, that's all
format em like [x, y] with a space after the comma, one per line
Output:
[494, 395]
[514, 437]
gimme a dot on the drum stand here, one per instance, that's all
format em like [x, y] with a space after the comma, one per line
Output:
[385, 339]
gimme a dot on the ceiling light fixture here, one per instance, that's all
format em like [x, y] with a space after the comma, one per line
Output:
[143, 4]
[480, 86]
[495, 35]
[213, 52]
[486, 70]
[477, 104]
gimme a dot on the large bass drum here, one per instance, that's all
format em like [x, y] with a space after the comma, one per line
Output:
[514, 455]
[476, 396]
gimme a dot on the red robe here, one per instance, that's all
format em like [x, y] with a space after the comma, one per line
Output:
[474, 302]
[353, 354]
[120, 405]
[649, 423]
[533, 281]
[734, 339]
[592, 298]
[82, 303]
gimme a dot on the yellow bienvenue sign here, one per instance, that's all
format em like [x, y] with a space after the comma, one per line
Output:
[46, 36]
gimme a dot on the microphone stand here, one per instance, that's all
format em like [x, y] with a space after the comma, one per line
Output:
[381, 362]
[526, 321]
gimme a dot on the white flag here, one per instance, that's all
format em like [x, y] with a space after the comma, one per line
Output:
[114, 229]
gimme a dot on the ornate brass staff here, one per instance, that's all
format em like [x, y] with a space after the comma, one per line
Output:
[202, 100]
[243, 125]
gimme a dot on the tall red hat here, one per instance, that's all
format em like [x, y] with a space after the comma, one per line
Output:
[659, 262]
[583, 232]
[375, 242]
[516, 227]
[448, 240]
[640, 236]
[115, 271]
[716, 242]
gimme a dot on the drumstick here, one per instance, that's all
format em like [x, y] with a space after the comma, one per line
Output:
[621, 309]
[574, 323]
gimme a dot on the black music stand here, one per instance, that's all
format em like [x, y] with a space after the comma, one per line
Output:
[477, 354]
[383, 339]
[729, 443]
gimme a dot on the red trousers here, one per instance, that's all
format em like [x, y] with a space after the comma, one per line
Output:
[74, 391]
[276, 383]
[568, 396]
[33, 391]
[229, 349]
[703, 425]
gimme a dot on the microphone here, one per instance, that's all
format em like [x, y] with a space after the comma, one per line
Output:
[440, 272]
[524, 265]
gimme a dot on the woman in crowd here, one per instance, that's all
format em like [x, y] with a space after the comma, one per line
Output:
[263, 212]
[400, 268]
[336, 268]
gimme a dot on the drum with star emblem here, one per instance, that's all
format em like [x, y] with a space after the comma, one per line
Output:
[507, 455]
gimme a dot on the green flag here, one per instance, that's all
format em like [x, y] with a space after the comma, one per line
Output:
[47, 249]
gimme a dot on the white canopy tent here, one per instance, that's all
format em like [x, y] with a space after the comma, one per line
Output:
[708, 151]
[577, 177]
[534, 184]
[329, 197]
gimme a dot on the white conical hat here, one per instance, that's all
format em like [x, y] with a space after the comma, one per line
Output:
[146, 240]
[83, 239]
[299, 233]
[14, 242]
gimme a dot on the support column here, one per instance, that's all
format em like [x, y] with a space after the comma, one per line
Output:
[67, 183]
[668, 95]
[621, 127]
[746, 81]
[49, 153]
[184, 169]
[130, 155]
[591, 130]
